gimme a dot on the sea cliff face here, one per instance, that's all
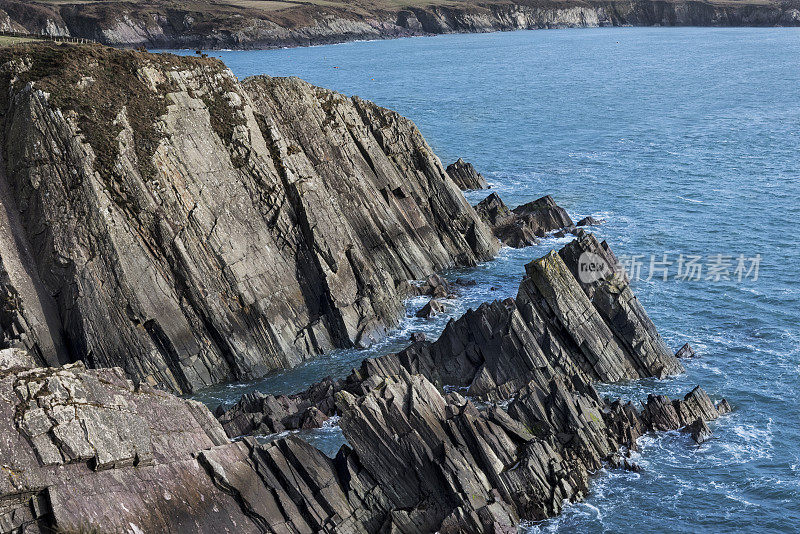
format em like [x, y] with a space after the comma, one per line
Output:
[192, 229]
[236, 24]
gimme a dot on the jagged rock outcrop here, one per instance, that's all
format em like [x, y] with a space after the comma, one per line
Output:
[558, 326]
[522, 226]
[431, 308]
[86, 450]
[90, 451]
[465, 176]
[220, 24]
[200, 229]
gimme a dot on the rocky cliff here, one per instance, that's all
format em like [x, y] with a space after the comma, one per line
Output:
[161, 216]
[242, 24]
[86, 450]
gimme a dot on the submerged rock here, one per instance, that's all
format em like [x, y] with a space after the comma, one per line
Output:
[699, 431]
[432, 308]
[417, 337]
[465, 176]
[686, 351]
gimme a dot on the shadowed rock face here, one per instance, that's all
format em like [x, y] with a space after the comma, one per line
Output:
[201, 229]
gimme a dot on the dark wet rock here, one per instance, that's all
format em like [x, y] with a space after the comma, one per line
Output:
[259, 413]
[431, 309]
[588, 221]
[686, 351]
[524, 225]
[417, 337]
[465, 176]
[723, 407]
[493, 210]
[543, 215]
[435, 286]
[203, 229]
[661, 413]
[698, 430]
[465, 282]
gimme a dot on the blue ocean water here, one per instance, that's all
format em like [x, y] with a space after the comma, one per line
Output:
[685, 141]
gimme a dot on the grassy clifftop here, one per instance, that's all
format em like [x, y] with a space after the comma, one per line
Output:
[96, 82]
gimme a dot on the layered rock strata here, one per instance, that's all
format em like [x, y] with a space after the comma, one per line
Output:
[192, 229]
[484, 467]
[86, 450]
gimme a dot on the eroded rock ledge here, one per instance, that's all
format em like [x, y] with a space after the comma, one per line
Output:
[165, 218]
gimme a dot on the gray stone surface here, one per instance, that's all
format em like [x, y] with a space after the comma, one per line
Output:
[553, 329]
[89, 450]
[273, 221]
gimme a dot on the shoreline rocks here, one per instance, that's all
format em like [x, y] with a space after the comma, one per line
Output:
[524, 225]
[93, 451]
[239, 242]
[494, 351]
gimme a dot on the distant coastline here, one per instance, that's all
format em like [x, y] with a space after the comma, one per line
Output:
[238, 24]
